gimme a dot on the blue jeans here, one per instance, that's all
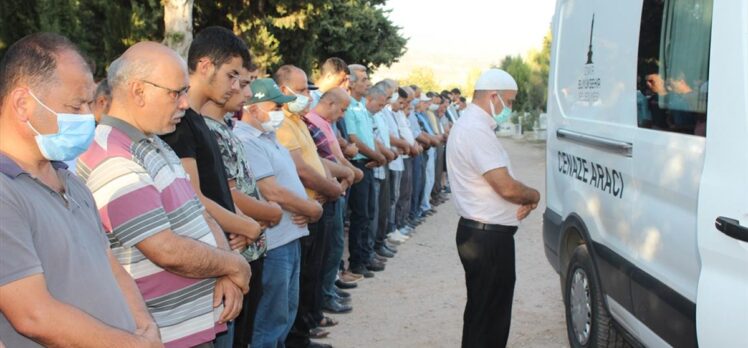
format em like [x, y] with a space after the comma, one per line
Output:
[428, 185]
[280, 300]
[362, 206]
[335, 244]
[225, 339]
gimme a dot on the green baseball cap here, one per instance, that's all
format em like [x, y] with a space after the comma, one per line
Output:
[266, 90]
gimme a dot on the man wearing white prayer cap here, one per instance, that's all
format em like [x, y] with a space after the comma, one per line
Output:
[491, 203]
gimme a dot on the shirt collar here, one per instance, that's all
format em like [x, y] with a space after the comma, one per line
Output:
[133, 133]
[12, 170]
[246, 127]
[480, 115]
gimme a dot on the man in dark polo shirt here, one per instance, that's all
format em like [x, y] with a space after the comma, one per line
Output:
[215, 59]
[60, 285]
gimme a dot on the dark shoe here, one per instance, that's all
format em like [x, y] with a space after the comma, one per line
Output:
[391, 248]
[344, 285]
[318, 345]
[342, 294]
[335, 307]
[375, 266]
[318, 332]
[383, 252]
[379, 258]
[364, 271]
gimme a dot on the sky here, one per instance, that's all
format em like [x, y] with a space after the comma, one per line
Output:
[453, 37]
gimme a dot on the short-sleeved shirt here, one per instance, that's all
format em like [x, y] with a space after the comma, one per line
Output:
[381, 133]
[389, 117]
[472, 150]
[237, 168]
[323, 136]
[41, 234]
[414, 126]
[267, 157]
[141, 189]
[193, 139]
[294, 135]
[403, 124]
[358, 122]
[327, 128]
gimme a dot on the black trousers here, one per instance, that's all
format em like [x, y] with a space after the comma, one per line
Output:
[488, 260]
[383, 210]
[246, 320]
[310, 283]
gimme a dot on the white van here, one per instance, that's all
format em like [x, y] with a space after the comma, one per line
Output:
[647, 171]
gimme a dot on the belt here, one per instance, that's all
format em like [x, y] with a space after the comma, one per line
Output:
[487, 227]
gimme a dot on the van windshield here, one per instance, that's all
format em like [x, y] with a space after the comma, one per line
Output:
[673, 65]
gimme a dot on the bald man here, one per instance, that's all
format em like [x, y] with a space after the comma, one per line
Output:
[60, 284]
[491, 203]
[320, 121]
[156, 224]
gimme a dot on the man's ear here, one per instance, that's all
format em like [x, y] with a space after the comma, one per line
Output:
[205, 67]
[21, 103]
[136, 90]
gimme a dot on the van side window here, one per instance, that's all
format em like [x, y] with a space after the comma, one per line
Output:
[673, 65]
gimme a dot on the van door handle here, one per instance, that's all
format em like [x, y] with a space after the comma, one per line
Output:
[601, 143]
[732, 228]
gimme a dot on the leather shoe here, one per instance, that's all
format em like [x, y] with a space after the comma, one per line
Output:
[345, 285]
[342, 293]
[335, 307]
[318, 345]
[379, 258]
[383, 252]
[375, 266]
[364, 271]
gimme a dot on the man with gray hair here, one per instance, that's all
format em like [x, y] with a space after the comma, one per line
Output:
[156, 224]
[491, 203]
[360, 128]
[60, 284]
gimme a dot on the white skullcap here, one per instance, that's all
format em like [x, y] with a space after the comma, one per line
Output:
[424, 98]
[495, 80]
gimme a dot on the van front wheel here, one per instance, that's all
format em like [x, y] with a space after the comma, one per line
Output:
[588, 323]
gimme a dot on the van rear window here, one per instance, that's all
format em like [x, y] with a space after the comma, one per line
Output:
[673, 66]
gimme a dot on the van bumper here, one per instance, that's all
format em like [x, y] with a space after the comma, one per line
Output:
[552, 237]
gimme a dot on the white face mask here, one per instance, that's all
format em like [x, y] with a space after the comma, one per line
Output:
[298, 105]
[393, 98]
[276, 119]
[433, 107]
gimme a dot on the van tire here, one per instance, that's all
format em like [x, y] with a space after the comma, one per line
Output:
[588, 323]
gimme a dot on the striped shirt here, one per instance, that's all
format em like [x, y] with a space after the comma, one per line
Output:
[141, 189]
[322, 139]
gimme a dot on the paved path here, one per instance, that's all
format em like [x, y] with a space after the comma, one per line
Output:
[419, 299]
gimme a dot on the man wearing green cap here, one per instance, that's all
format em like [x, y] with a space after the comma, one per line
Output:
[248, 199]
[277, 181]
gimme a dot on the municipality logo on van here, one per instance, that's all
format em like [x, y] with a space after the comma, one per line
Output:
[588, 86]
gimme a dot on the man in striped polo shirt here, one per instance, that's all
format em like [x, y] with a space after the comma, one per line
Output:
[155, 222]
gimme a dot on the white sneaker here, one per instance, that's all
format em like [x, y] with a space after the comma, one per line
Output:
[399, 235]
[396, 237]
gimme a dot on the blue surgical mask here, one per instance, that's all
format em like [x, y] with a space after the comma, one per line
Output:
[75, 132]
[298, 105]
[505, 113]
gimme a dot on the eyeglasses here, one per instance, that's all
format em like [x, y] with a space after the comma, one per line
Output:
[173, 93]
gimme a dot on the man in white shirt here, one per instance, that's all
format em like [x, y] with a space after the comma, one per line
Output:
[491, 203]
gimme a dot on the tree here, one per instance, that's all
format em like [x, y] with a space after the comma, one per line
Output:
[421, 77]
[178, 25]
[278, 32]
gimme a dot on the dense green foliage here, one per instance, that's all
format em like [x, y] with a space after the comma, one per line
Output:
[303, 33]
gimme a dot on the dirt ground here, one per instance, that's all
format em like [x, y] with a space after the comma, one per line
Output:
[419, 299]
